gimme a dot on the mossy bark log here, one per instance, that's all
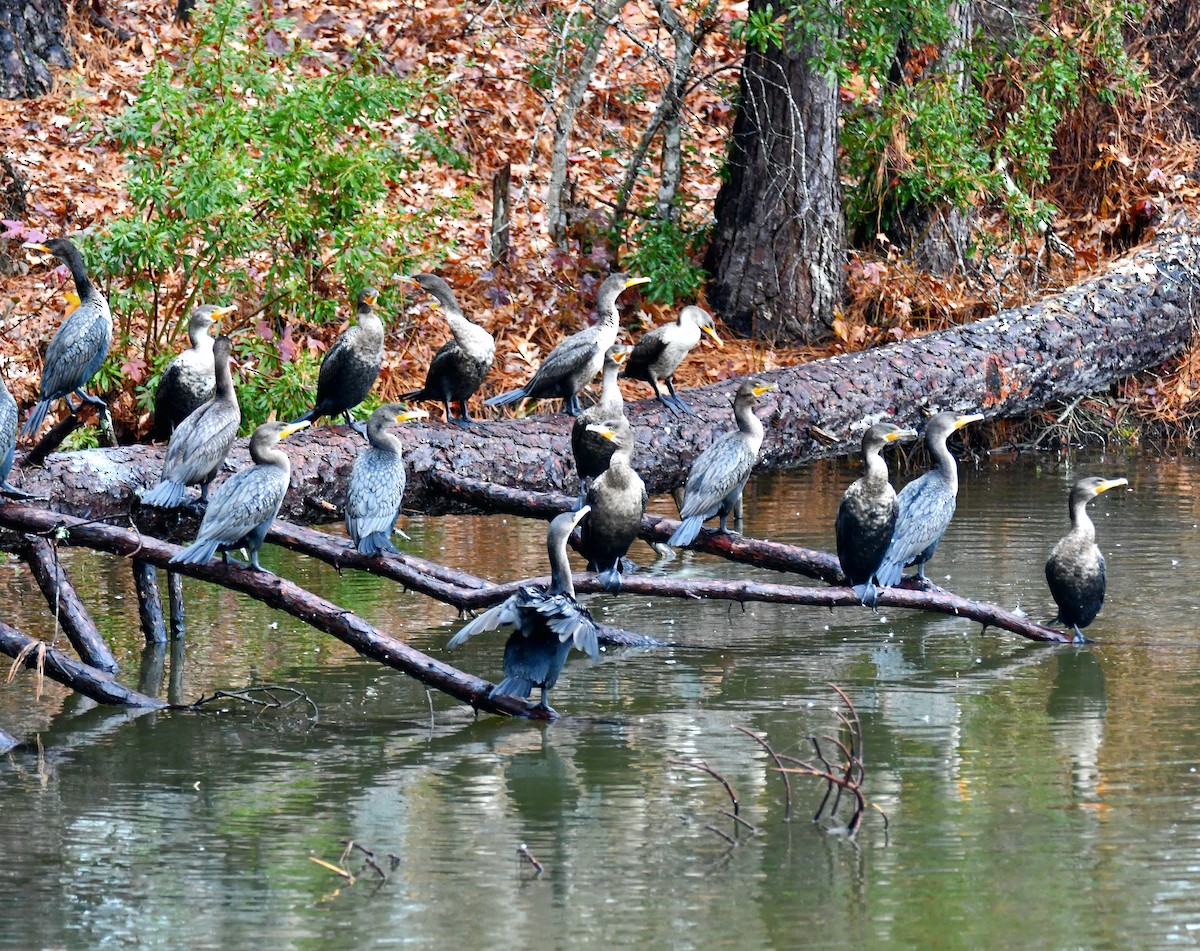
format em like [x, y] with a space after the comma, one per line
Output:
[1135, 316]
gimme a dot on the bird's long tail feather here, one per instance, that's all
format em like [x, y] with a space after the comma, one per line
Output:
[503, 399]
[37, 416]
[198, 553]
[165, 495]
[687, 531]
[512, 687]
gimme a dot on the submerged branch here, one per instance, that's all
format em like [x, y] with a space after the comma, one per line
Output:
[69, 609]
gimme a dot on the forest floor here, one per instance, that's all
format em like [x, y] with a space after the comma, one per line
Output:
[1123, 170]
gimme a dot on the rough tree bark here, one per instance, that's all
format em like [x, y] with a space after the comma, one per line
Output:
[1137, 315]
[778, 248]
[31, 42]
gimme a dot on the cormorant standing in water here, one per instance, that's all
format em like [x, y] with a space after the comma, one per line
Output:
[866, 517]
[377, 479]
[719, 474]
[80, 345]
[244, 506]
[190, 379]
[545, 624]
[460, 366]
[659, 353]
[617, 499]
[351, 366]
[574, 363]
[1075, 569]
[925, 506]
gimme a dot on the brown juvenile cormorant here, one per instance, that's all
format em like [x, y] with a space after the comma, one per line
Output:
[866, 517]
[1075, 569]
[592, 451]
[189, 380]
[659, 353]
[351, 366]
[377, 479]
[80, 345]
[574, 363]
[719, 474]
[617, 499]
[545, 624]
[460, 366]
[201, 441]
[244, 506]
[925, 506]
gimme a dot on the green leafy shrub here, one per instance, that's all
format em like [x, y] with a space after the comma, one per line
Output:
[662, 251]
[258, 173]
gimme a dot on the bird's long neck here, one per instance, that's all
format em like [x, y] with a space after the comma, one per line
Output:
[471, 337]
[875, 470]
[384, 439]
[1081, 522]
[560, 567]
[748, 423]
[944, 462]
[200, 338]
[611, 400]
[83, 284]
[224, 380]
[269, 454]
[370, 325]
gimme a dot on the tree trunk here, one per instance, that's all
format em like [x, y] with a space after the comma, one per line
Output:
[1134, 317]
[778, 248]
[31, 41]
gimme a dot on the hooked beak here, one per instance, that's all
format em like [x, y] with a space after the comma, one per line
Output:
[1110, 484]
[223, 311]
[634, 281]
[621, 354]
[578, 517]
[901, 434]
[411, 414]
[32, 246]
[712, 333]
[293, 428]
[763, 388]
[602, 430]
[962, 421]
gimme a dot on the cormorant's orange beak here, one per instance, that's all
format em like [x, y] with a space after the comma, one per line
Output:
[962, 421]
[291, 428]
[1110, 484]
[712, 333]
[602, 430]
[901, 434]
[411, 414]
[634, 281]
[764, 388]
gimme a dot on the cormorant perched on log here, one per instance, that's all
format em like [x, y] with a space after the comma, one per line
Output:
[376, 486]
[546, 624]
[659, 353]
[201, 441]
[351, 366]
[574, 363]
[460, 366]
[8, 442]
[925, 506]
[244, 506]
[189, 380]
[591, 450]
[617, 499]
[866, 517]
[714, 486]
[80, 345]
[1075, 569]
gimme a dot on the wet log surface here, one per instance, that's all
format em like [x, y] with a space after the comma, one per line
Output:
[1136, 315]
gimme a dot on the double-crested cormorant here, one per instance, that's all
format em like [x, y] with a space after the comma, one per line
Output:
[351, 366]
[591, 450]
[201, 441]
[574, 363]
[658, 353]
[460, 366]
[925, 506]
[189, 380]
[376, 486]
[1075, 569]
[546, 624]
[8, 442]
[714, 486]
[80, 345]
[244, 506]
[617, 499]
[867, 516]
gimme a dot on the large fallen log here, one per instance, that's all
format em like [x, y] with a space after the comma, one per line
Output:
[1136, 315]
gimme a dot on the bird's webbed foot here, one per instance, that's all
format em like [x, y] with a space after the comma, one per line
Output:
[572, 406]
[668, 404]
[465, 422]
[1080, 637]
[14, 493]
[543, 706]
[357, 425]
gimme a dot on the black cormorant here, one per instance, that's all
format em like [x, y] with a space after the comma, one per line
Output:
[377, 479]
[617, 499]
[460, 366]
[925, 506]
[80, 345]
[201, 441]
[189, 380]
[866, 517]
[659, 353]
[714, 486]
[1075, 569]
[244, 506]
[574, 363]
[590, 450]
[545, 624]
[8, 442]
[351, 366]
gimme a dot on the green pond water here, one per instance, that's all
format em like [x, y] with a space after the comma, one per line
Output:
[1038, 797]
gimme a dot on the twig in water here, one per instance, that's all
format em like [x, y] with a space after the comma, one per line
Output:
[724, 835]
[523, 852]
[251, 696]
[738, 819]
[705, 768]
